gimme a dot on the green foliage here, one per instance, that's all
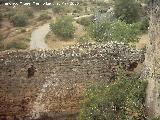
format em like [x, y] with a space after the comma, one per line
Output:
[144, 24]
[63, 27]
[28, 12]
[17, 45]
[44, 16]
[121, 100]
[105, 31]
[127, 10]
[78, 9]
[86, 21]
[58, 9]
[19, 20]
[84, 39]
[101, 3]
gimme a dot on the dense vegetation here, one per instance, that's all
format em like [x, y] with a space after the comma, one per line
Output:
[28, 12]
[19, 20]
[127, 10]
[63, 27]
[122, 99]
[105, 31]
[58, 9]
[86, 21]
[144, 24]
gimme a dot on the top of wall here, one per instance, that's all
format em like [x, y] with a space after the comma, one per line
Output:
[110, 51]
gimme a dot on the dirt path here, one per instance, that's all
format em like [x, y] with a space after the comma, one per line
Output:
[37, 37]
[39, 34]
[144, 40]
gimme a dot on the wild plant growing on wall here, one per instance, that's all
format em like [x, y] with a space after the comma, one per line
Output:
[119, 100]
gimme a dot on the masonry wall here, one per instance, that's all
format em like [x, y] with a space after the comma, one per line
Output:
[151, 70]
[60, 78]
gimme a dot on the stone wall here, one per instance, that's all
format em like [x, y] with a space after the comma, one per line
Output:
[60, 78]
[151, 70]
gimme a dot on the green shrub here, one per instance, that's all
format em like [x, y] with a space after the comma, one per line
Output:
[28, 12]
[17, 45]
[63, 27]
[19, 20]
[58, 9]
[79, 8]
[86, 21]
[121, 100]
[104, 31]
[44, 16]
[144, 24]
[101, 3]
[127, 10]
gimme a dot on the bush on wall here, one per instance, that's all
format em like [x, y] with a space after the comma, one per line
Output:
[120, 100]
